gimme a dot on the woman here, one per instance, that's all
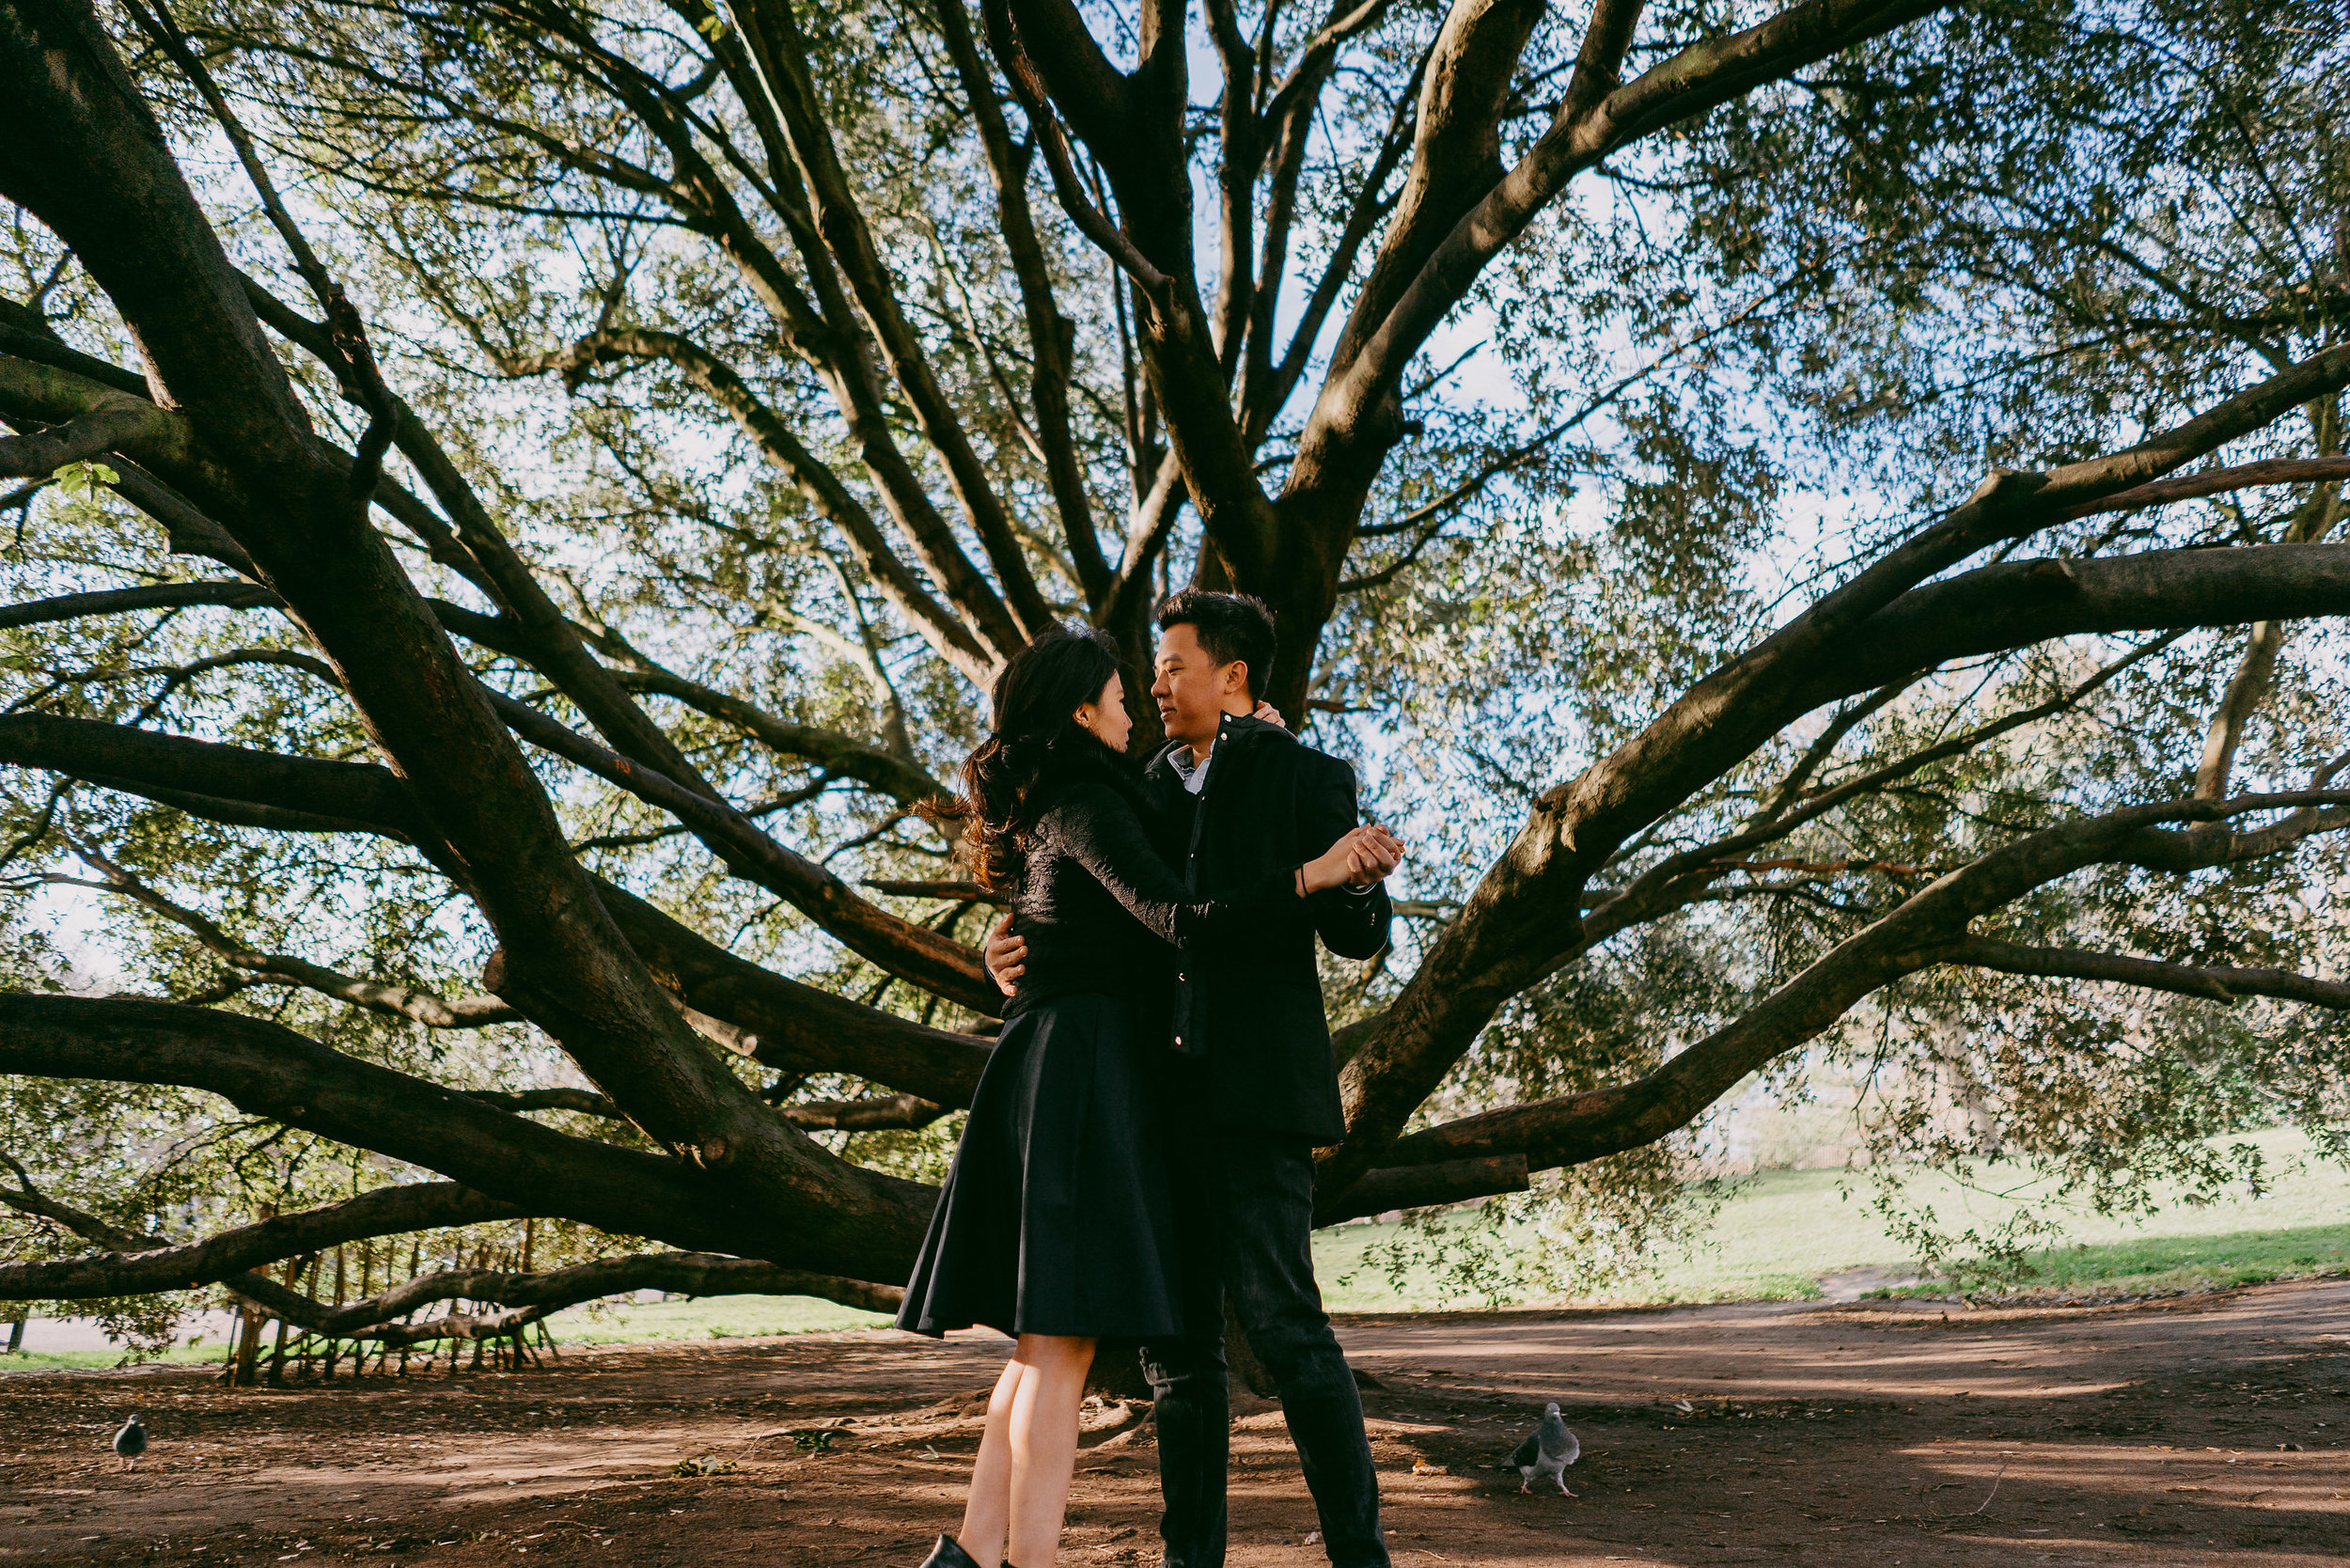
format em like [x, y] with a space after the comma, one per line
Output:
[1054, 1226]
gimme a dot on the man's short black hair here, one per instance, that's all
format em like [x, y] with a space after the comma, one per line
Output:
[1232, 627]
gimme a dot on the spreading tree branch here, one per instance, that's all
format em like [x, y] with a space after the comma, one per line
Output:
[138, 1264]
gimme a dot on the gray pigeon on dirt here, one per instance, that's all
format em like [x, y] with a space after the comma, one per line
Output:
[1547, 1452]
[131, 1441]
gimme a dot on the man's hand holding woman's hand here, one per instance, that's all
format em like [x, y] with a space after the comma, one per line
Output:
[1373, 857]
[1360, 859]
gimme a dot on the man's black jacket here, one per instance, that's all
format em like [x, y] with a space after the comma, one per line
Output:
[1250, 1009]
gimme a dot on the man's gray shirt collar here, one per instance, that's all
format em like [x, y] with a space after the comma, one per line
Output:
[1193, 775]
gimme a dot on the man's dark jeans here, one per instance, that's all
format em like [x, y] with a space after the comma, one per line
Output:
[1248, 1201]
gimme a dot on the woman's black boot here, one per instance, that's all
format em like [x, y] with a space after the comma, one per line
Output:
[947, 1554]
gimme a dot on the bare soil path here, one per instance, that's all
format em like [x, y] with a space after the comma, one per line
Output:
[2174, 1433]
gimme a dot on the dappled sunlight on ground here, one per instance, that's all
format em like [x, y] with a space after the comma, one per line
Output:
[2158, 1436]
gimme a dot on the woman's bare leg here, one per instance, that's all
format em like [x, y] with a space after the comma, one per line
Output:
[1044, 1443]
[987, 1516]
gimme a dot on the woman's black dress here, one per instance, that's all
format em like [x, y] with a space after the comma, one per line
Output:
[1055, 1217]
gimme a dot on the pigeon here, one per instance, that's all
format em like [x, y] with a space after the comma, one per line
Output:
[1547, 1452]
[131, 1442]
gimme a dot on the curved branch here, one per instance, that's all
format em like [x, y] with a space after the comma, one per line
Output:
[937, 963]
[984, 629]
[157, 596]
[1927, 929]
[398, 1001]
[881, 1113]
[1519, 922]
[585, 1101]
[531, 1296]
[797, 1027]
[156, 1266]
[358, 793]
[2220, 481]
[2218, 981]
[1422, 1186]
[1591, 123]
[2018, 604]
[1456, 150]
[269, 1070]
[841, 754]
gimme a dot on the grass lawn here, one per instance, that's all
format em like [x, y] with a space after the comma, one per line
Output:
[715, 1317]
[1784, 1229]
[1772, 1239]
[36, 1360]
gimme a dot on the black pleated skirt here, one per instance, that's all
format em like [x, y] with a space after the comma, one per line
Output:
[1056, 1217]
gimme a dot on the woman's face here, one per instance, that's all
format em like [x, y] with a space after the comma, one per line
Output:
[1106, 715]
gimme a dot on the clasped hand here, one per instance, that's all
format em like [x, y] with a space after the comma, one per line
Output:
[1361, 859]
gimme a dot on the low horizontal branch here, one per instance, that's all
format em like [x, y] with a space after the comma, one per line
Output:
[528, 1296]
[1420, 1186]
[269, 1070]
[382, 1211]
[796, 1027]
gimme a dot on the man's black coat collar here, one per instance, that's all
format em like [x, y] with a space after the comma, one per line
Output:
[1237, 731]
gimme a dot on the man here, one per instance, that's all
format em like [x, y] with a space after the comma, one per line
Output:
[1235, 797]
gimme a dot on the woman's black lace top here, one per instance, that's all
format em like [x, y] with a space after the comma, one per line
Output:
[1099, 906]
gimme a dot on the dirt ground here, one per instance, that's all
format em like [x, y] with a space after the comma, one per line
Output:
[2180, 1431]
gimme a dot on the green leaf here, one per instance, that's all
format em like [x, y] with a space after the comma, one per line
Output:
[82, 479]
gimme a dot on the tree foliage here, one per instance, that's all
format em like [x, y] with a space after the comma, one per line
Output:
[1818, 525]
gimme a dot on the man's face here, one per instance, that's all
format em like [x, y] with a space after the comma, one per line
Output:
[1193, 691]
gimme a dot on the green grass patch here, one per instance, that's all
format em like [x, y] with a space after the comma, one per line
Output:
[1784, 1229]
[2166, 1264]
[40, 1360]
[712, 1317]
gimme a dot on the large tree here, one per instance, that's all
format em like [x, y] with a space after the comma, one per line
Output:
[1798, 514]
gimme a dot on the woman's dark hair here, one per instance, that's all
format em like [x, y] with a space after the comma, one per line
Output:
[1036, 739]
